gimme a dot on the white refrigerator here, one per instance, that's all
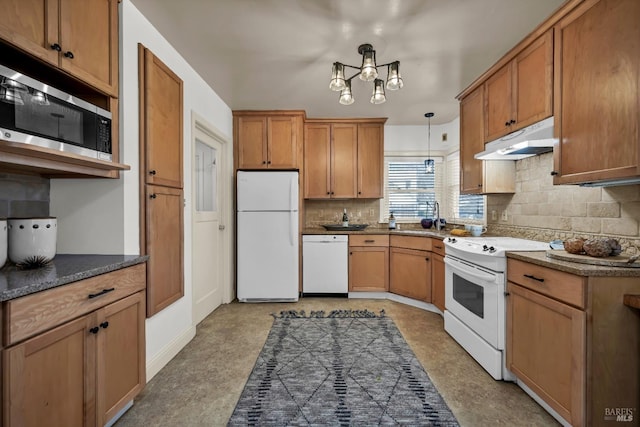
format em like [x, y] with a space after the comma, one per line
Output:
[267, 236]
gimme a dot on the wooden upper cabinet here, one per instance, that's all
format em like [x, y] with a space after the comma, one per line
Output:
[480, 176]
[370, 160]
[520, 93]
[77, 36]
[317, 161]
[597, 114]
[161, 98]
[344, 160]
[268, 139]
[471, 142]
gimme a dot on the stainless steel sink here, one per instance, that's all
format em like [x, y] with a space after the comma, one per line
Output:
[340, 227]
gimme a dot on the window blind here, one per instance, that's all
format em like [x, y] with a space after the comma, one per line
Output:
[466, 208]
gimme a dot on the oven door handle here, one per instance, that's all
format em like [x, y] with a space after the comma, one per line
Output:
[470, 271]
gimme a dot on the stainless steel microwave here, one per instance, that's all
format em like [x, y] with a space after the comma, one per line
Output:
[34, 113]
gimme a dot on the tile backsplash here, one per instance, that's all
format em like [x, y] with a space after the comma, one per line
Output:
[542, 211]
[360, 211]
[23, 196]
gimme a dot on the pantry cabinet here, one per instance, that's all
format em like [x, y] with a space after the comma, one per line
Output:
[343, 158]
[268, 139]
[520, 93]
[571, 340]
[80, 364]
[368, 263]
[480, 176]
[80, 37]
[410, 267]
[597, 114]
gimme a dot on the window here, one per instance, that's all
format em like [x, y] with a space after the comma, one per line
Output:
[410, 193]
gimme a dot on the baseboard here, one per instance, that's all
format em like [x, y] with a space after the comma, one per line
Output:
[169, 352]
[397, 298]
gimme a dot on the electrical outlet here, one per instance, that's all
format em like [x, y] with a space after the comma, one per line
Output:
[494, 215]
[371, 213]
[504, 216]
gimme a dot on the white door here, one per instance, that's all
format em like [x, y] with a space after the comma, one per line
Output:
[208, 226]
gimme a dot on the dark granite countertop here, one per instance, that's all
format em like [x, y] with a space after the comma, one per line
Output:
[374, 230]
[63, 269]
[541, 258]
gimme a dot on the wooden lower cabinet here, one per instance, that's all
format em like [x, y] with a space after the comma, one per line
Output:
[368, 263]
[80, 373]
[437, 280]
[410, 273]
[573, 342]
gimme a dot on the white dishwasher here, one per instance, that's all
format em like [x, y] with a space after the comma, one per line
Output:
[325, 264]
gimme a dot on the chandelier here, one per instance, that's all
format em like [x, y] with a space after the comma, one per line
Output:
[367, 72]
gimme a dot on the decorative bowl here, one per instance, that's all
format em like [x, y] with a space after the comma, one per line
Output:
[426, 223]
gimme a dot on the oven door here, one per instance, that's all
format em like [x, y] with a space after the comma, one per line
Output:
[473, 295]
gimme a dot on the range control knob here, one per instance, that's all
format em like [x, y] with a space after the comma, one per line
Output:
[492, 249]
[485, 248]
[451, 239]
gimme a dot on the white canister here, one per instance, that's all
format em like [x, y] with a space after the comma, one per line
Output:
[31, 238]
[3, 242]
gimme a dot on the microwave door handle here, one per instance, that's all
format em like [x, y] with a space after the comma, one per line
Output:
[470, 271]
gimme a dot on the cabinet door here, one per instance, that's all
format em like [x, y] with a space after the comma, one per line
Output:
[282, 147]
[370, 160]
[252, 142]
[31, 25]
[344, 159]
[164, 242]
[597, 115]
[437, 281]
[533, 82]
[546, 349]
[50, 378]
[410, 273]
[499, 115]
[161, 121]
[369, 269]
[89, 42]
[471, 142]
[121, 355]
[317, 161]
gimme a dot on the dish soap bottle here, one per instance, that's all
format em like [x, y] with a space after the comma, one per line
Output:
[392, 222]
[345, 218]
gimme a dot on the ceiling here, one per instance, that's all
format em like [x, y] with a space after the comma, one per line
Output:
[277, 54]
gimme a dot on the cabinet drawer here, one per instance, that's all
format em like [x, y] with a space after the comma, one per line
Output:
[369, 240]
[32, 314]
[418, 243]
[562, 286]
[437, 246]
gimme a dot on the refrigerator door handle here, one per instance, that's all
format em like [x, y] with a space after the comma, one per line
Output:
[292, 190]
[292, 232]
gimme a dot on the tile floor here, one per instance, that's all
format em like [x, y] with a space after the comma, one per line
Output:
[201, 385]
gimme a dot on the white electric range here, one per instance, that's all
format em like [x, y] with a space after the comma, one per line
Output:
[475, 286]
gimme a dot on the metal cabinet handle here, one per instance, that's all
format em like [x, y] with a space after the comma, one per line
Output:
[426, 258]
[56, 47]
[512, 122]
[94, 330]
[152, 196]
[104, 325]
[438, 247]
[102, 292]
[369, 241]
[68, 54]
[529, 276]
[152, 172]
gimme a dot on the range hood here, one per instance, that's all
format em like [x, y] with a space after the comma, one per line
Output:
[534, 139]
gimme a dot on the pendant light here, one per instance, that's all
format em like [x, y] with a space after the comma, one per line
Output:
[429, 164]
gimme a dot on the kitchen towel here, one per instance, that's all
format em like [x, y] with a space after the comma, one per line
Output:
[345, 367]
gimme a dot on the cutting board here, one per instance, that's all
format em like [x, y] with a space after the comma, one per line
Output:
[611, 261]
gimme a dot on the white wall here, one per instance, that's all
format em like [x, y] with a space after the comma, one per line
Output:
[101, 216]
[414, 138]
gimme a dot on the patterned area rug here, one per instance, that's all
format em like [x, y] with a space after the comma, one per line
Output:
[342, 368]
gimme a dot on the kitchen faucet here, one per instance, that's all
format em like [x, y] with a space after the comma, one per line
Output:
[436, 214]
